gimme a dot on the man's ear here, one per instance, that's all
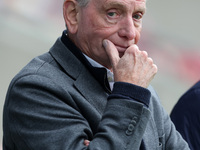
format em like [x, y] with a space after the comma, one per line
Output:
[70, 12]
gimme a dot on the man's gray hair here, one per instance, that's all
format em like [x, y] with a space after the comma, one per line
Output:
[82, 3]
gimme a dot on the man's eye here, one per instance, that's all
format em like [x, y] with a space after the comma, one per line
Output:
[113, 14]
[137, 16]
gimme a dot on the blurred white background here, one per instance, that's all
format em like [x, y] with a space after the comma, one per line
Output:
[170, 35]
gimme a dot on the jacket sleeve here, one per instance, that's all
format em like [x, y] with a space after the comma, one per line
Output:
[40, 114]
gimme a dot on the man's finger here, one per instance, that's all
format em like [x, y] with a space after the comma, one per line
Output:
[86, 142]
[112, 52]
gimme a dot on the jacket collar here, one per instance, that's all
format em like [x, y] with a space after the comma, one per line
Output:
[100, 74]
[87, 84]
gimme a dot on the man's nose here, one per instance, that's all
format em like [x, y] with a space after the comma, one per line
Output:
[127, 28]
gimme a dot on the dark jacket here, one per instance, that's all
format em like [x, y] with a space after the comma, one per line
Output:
[186, 116]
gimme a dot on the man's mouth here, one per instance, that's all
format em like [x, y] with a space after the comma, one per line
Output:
[121, 49]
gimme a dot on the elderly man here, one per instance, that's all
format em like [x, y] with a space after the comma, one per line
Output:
[91, 90]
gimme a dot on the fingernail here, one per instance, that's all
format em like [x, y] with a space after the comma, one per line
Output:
[105, 42]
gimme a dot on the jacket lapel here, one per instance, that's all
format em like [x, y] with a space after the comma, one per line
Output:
[93, 92]
[84, 82]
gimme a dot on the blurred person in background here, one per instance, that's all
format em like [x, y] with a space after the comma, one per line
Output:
[186, 116]
[91, 90]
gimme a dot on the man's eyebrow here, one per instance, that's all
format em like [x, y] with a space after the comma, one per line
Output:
[115, 5]
[121, 5]
[141, 9]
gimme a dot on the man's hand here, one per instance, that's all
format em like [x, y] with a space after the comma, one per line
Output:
[133, 67]
[86, 142]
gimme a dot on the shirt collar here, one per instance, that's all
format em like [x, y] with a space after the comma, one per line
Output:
[110, 76]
